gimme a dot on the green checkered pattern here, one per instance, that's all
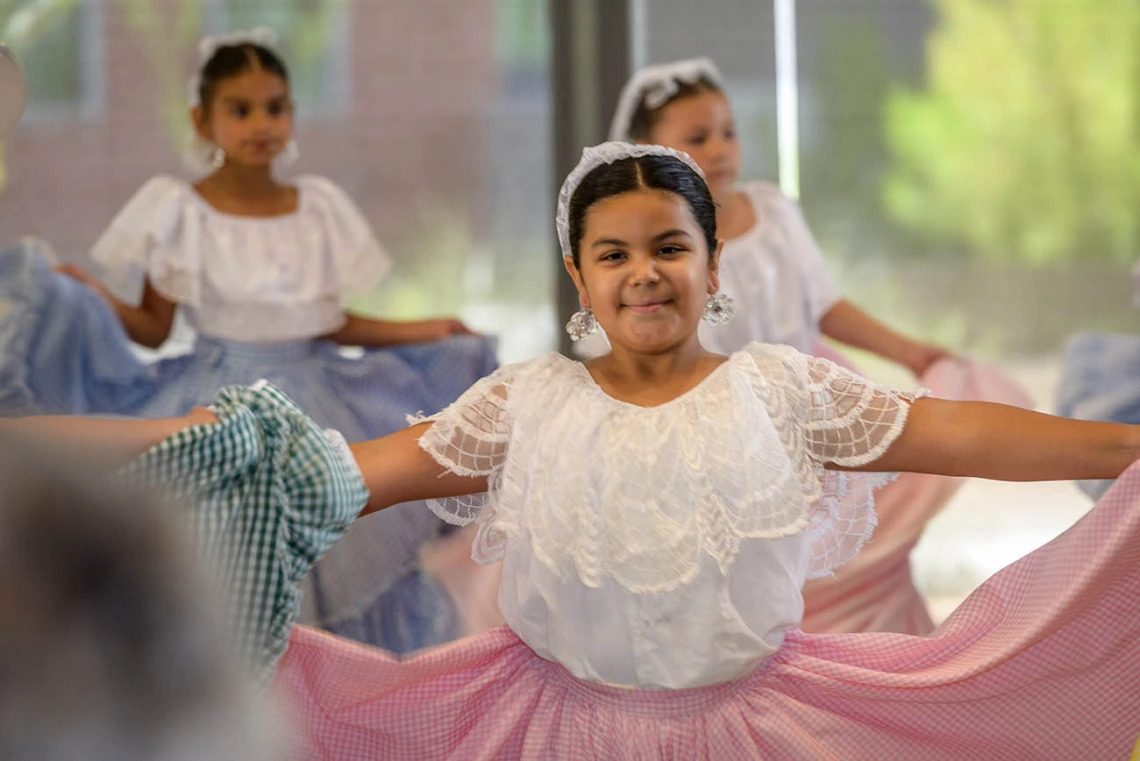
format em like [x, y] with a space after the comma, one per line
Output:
[268, 493]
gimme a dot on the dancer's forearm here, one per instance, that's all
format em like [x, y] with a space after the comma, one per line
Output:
[149, 324]
[397, 470]
[850, 325]
[110, 442]
[1008, 444]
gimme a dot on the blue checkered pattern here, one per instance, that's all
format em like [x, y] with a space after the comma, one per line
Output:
[63, 351]
[268, 492]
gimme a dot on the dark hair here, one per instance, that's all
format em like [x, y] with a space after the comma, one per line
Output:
[644, 118]
[653, 172]
[230, 61]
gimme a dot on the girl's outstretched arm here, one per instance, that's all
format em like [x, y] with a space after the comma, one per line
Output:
[110, 442]
[397, 470]
[1007, 443]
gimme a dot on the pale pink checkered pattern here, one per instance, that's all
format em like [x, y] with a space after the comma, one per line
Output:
[1042, 662]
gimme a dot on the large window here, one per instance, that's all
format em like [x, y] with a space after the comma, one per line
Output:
[489, 251]
[522, 34]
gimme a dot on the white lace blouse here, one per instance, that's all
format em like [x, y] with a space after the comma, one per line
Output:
[665, 546]
[777, 277]
[257, 279]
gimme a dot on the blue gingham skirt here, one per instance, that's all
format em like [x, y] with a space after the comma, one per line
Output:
[64, 351]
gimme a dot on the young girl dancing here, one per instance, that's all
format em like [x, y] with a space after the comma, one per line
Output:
[264, 270]
[657, 511]
[782, 292]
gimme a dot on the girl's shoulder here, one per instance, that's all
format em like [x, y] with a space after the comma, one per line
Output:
[765, 196]
[330, 202]
[774, 210]
[155, 205]
[314, 187]
[163, 189]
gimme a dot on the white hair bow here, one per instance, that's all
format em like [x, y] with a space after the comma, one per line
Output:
[656, 85]
[594, 157]
[208, 46]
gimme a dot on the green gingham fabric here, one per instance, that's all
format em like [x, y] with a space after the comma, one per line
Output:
[268, 492]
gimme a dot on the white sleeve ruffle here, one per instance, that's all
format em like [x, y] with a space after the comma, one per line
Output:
[156, 235]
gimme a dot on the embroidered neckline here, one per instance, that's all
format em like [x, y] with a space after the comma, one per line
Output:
[700, 387]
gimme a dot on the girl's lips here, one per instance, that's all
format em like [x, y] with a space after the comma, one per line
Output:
[651, 306]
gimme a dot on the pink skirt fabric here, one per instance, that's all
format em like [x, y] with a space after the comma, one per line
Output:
[875, 592]
[1041, 662]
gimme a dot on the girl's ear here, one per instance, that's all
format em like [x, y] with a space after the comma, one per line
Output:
[201, 123]
[714, 267]
[576, 276]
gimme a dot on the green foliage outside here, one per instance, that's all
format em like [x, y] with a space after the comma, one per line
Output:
[983, 191]
[1022, 145]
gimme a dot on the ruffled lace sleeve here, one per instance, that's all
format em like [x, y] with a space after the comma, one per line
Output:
[852, 420]
[361, 262]
[156, 235]
[471, 438]
[831, 415]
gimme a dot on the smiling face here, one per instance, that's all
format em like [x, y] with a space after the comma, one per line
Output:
[702, 125]
[645, 269]
[250, 116]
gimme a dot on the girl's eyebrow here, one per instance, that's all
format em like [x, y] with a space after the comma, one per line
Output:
[656, 238]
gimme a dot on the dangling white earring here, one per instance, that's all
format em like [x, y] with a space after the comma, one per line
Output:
[216, 157]
[582, 325]
[202, 156]
[291, 153]
[719, 309]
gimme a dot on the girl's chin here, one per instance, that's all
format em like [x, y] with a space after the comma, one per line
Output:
[722, 190]
[649, 341]
[252, 159]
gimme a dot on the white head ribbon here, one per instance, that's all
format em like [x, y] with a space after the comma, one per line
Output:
[655, 85]
[207, 46]
[592, 158]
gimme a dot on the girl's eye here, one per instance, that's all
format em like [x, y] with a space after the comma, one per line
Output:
[730, 134]
[613, 256]
[240, 111]
[697, 140]
[276, 109]
[668, 251]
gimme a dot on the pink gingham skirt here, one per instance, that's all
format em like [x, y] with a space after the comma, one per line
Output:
[1041, 662]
